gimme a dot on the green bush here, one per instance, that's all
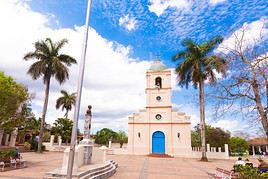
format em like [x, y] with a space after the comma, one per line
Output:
[34, 145]
[5, 155]
[27, 145]
[249, 172]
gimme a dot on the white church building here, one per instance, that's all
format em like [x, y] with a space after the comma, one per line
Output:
[159, 129]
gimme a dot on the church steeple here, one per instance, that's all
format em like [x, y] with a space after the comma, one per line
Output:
[158, 65]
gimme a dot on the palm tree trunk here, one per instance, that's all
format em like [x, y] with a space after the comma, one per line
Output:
[43, 116]
[66, 114]
[202, 119]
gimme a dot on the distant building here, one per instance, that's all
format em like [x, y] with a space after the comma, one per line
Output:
[159, 129]
[258, 146]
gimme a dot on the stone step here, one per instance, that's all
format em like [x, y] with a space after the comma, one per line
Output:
[101, 172]
[160, 155]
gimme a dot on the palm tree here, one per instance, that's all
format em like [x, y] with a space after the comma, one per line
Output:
[49, 63]
[67, 101]
[197, 65]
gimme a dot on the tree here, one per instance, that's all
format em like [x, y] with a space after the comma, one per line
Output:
[245, 88]
[14, 98]
[49, 63]
[121, 138]
[67, 101]
[104, 135]
[238, 145]
[215, 136]
[197, 66]
[63, 127]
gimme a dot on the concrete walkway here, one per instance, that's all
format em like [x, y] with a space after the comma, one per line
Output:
[142, 167]
[130, 167]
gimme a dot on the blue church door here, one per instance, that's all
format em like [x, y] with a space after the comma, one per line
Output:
[158, 143]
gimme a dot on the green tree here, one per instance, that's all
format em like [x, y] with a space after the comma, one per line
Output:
[63, 127]
[49, 63]
[14, 98]
[215, 136]
[104, 135]
[121, 138]
[238, 145]
[197, 66]
[66, 102]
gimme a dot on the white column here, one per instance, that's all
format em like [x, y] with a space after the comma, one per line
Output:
[110, 144]
[52, 137]
[1, 136]
[219, 149]
[6, 139]
[260, 149]
[253, 150]
[104, 150]
[59, 141]
[208, 147]
[13, 138]
[226, 148]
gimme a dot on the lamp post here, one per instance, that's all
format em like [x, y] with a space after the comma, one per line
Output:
[78, 97]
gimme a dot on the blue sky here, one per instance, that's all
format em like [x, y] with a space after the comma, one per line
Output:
[133, 33]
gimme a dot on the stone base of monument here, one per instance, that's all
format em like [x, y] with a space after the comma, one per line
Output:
[93, 171]
[96, 165]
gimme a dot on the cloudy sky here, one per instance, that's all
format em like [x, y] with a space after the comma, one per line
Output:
[124, 38]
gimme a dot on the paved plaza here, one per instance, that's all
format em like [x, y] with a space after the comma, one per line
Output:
[130, 167]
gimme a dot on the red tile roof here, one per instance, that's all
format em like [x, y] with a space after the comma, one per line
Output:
[258, 141]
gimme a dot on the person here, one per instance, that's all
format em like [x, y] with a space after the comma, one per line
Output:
[17, 155]
[248, 163]
[240, 162]
[263, 166]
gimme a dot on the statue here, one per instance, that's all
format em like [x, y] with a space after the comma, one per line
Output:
[88, 144]
[87, 125]
[88, 113]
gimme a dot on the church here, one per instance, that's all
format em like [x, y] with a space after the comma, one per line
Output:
[159, 129]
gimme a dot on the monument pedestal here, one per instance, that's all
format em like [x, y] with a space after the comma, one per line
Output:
[88, 147]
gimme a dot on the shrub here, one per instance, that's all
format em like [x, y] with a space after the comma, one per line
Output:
[27, 145]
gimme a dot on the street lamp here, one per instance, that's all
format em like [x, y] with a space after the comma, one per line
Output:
[78, 97]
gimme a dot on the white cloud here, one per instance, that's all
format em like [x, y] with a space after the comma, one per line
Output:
[214, 2]
[226, 124]
[159, 6]
[114, 83]
[128, 22]
[252, 33]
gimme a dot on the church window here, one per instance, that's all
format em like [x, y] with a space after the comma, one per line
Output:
[158, 117]
[158, 82]
[139, 134]
[158, 98]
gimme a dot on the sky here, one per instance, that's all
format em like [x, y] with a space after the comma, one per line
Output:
[125, 37]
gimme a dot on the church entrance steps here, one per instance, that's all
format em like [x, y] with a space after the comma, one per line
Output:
[160, 155]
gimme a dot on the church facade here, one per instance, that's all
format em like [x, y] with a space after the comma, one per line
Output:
[159, 129]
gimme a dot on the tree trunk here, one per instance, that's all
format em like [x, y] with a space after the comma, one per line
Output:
[43, 116]
[202, 120]
[260, 108]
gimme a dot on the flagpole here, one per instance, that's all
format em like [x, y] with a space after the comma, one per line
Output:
[79, 93]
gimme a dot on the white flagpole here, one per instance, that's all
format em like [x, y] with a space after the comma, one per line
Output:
[78, 97]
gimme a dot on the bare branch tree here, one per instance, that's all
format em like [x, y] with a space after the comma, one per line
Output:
[245, 88]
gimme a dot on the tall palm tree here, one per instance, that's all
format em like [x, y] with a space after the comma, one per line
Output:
[67, 101]
[197, 64]
[49, 63]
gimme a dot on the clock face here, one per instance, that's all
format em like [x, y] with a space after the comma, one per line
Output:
[158, 98]
[158, 117]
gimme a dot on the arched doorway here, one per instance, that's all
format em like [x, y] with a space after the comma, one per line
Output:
[158, 143]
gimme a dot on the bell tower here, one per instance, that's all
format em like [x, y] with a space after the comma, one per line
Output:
[158, 91]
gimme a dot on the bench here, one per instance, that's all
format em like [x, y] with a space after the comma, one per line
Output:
[222, 174]
[13, 162]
